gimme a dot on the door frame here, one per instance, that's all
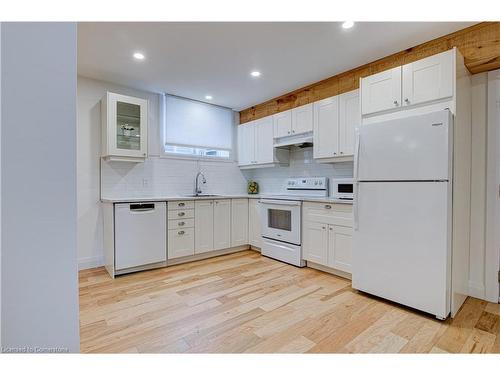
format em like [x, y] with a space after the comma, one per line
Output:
[492, 251]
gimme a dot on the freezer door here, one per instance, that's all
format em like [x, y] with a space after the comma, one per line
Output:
[413, 148]
[401, 247]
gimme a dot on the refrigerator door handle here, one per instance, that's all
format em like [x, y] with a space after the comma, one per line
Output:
[356, 156]
[355, 205]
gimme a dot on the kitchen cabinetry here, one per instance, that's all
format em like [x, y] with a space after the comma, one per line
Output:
[239, 222]
[204, 226]
[282, 123]
[124, 123]
[423, 81]
[381, 91]
[255, 145]
[254, 235]
[181, 225]
[222, 224]
[302, 119]
[327, 238]
[335, 123]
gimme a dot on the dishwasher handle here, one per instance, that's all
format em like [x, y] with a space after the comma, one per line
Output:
[142, 207]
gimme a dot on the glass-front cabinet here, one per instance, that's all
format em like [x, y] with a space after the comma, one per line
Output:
[124, 127]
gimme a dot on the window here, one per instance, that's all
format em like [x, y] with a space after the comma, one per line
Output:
[196, 129]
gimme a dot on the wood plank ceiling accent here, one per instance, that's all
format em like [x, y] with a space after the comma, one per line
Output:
[479, 44]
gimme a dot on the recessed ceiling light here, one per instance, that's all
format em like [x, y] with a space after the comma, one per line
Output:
[208, 97]
[347, 24]
[255, 73]
[138, 56]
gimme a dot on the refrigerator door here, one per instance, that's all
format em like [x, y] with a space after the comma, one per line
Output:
[401, 247]
[410, 149]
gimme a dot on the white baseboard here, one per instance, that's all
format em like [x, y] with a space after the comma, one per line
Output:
[476, 290]
[90, 262]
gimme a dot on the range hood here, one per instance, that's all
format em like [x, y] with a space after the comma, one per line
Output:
[299, 140]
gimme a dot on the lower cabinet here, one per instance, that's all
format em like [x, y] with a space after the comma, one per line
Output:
[180, 242]
[203, 226]
[222, 224]
[254, 223]
[181, 222]
[327, 235]
[239, 222]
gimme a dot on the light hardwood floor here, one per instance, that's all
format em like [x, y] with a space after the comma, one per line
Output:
[244, 302]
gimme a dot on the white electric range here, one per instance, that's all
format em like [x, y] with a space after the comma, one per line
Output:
[281, 218]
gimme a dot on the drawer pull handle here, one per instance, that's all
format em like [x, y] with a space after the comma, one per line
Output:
[181, 204]
[181, 223]
[181, 232]
[181, 213]
[327, 206]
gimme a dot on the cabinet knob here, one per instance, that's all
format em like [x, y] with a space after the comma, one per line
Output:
[334, 153]
[327, 206]
[341, 152]
[289, 132]
[395, 102]
[293, 131]
[323, 228]
[181, 232]
[181, 214]
[181, 223]
[181, 204]
[331, 228]
[407, 101]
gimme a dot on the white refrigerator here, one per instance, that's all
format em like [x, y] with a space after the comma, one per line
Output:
[403, 211]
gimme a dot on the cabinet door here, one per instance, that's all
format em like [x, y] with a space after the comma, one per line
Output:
[350, 119]
[428, 79]
[127, 126]
[340, 247]
[326, 126]
[180, 243]
[282, 123]
[264, 149]
[302, 119]
[254, 222]
[381, 91]
[222, 224]
[239, 222]
[204, 226]
[315, 242]
[246, 144]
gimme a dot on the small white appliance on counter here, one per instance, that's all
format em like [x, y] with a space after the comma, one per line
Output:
[281, 218]
[342, 188]
[403, 211]
[140, 236]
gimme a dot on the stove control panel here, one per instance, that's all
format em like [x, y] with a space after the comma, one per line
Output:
[307, 183]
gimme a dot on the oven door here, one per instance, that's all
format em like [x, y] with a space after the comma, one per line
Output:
[281, 220]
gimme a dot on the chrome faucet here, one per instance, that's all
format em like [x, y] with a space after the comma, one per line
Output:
[197, 189]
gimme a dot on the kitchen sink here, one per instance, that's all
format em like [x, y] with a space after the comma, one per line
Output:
[202, 195]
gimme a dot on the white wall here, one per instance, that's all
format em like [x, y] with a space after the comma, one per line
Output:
[155, 177]
[39, 263]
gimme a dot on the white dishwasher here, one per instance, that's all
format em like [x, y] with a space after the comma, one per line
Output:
[140, 235]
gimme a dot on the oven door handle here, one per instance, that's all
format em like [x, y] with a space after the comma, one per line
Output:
[279, 202]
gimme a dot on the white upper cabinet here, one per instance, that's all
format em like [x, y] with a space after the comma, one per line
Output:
[282, 123]
[302, 119]
[264, 149]
[428, 79]
[222, 224]
[335, 123]
[124, 122]
[246, 144]
[204, 226]
[381, 91]
[350, 120]
[326, 128]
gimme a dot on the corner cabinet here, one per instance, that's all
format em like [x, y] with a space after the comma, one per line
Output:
[124, 123]
[335, 122]
[256, 145]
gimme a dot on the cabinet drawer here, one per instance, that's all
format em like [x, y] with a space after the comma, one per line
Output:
[181, 223]
[180, 205]
[180, 243]
[328, 213]
[180, 214]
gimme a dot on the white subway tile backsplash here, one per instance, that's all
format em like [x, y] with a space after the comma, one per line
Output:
[168, 176]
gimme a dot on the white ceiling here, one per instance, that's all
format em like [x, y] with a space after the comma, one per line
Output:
[196, 59]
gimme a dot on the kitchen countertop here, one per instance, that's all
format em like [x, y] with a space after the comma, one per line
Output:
[228, 196]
